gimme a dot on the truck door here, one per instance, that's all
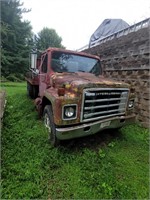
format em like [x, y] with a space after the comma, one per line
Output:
[43, 74]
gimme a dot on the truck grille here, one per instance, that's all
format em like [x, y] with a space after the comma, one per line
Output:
[102, 103]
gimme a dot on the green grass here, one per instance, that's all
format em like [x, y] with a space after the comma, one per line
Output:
[108, 165]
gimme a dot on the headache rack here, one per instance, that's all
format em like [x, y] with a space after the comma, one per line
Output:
[101, 103]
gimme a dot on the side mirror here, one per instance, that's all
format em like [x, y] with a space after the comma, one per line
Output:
[33, 60]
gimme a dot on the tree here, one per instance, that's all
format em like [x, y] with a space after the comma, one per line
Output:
[16, 38]
[48, 38]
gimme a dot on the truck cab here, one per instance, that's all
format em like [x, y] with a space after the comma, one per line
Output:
[74, 98]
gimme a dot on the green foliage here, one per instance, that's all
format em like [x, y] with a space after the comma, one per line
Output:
[15, 38]
[3, 79]
[48, 38]
[108, 165]
[15, 77]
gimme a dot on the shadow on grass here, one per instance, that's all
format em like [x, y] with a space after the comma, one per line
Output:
[96, 141]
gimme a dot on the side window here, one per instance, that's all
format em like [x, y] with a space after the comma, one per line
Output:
[44, 65]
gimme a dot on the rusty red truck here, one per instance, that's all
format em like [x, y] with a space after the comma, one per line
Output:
[74, 98]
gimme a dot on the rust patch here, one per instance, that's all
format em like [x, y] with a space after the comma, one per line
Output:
[73, 84]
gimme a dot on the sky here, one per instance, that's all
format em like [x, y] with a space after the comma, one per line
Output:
[76, 20]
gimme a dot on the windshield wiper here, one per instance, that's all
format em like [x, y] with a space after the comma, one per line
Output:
[81, 70]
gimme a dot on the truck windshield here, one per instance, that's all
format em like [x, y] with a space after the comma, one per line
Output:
[67, 62]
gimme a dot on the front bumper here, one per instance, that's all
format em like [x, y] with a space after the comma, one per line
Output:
[93, 127]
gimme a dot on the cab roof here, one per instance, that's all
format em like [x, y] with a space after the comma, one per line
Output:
[70, 51]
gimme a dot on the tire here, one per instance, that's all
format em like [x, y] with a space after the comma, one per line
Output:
[49, 124]
[32, 90]
[29, 89]
[35, 91]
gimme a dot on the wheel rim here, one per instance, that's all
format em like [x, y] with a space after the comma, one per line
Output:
[49, 127]
[47, 123]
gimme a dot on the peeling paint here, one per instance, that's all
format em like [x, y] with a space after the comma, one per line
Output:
[73, 85]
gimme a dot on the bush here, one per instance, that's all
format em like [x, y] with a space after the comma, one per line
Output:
[3, 79]
[13, 78]
[20, 76]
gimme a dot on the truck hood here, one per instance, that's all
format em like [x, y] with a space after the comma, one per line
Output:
[84, 80]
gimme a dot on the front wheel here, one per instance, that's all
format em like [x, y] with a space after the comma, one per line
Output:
[49, 124]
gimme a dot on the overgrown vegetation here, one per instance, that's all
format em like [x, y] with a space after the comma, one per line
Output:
[108, 165]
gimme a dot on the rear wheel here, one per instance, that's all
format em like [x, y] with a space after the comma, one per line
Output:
[35, 91]
[29, 89]
[49, 124]
[32, 90]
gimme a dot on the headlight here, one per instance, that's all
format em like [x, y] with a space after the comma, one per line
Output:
[69, 112]
[131, 104]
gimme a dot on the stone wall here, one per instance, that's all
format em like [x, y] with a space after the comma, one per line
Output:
[127, 59]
